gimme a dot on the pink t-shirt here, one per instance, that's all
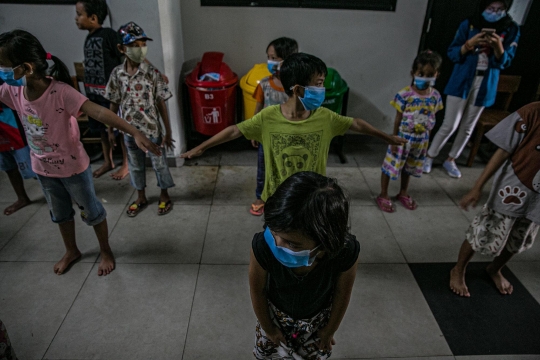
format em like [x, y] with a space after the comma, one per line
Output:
[51, 128]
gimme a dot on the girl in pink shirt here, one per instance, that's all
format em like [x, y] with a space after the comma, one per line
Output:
[48, 109]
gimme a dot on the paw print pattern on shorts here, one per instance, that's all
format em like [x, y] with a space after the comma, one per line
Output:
[512, 196]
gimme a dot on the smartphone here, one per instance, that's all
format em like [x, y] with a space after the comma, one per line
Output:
[488, 32]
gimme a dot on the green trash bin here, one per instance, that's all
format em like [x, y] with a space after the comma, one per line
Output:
[336, 89]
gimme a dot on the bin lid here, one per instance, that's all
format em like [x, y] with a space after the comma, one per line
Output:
[254, 76]
[334, 84]
[212, 64]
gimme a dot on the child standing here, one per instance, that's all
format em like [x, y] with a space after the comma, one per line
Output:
[416, 106]
[101, 56]
[269, 92]
[296, 135]
[302, 271]
[14, 156]
[509, 221]
[48, 110]
[140, 91]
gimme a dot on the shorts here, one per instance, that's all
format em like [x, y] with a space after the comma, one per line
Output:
[17, 159]
[490, 232]
[409, 157]
[59, 193]
[95, 125]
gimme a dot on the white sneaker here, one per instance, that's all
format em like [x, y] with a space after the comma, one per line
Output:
[427, 164]
[452, 169]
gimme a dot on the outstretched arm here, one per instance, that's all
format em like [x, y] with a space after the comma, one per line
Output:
[230, 133]
[362, 127]
[107, 117]
[472, 197]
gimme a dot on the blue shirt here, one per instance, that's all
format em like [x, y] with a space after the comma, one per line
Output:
[462, 78]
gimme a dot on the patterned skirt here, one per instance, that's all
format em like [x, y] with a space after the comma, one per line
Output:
[490, 232]
[301, 337]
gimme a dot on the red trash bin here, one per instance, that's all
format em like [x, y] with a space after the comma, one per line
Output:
[212, 94]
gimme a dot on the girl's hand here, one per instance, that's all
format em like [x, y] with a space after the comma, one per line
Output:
[167, 142]
[396, 140]
[326, 339]
[255, 144]
[496, 43]
[471, 198]
[394, 149]
[477, 40]
[196, 151]
[145, 144]
[276, 336]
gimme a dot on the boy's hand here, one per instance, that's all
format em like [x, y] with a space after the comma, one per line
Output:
[471, 198]
[396, 140]
[196, 151]
[145, 144]
[276, 336]
[112, 138]
[167, 142]
[326, 339]
[255, 144]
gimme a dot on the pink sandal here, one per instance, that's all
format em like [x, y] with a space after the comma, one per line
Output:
[385, 205]
[407, 201]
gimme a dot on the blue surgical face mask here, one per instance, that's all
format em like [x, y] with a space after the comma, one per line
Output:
[422, 83]
[7, 74]
[492, 17]
[287, 257]
[313, 97]
[273, 66]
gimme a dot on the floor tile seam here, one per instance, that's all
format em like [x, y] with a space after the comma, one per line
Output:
[444, 189]
[21, 227]
[366, 182]
[69, 310]
[191, 310]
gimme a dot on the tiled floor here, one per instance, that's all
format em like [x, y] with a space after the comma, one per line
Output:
[180, 290]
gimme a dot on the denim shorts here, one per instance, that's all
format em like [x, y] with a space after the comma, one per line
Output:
[137, 165]
[17, 159]
[59, 193]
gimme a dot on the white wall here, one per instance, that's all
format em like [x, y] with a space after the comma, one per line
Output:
[372, 50]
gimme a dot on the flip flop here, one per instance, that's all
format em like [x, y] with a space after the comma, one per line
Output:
[134, 209]
[385, 205]
[407, 201]
[165, 207]
[257, 210]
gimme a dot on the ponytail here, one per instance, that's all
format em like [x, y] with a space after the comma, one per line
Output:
[59, 71]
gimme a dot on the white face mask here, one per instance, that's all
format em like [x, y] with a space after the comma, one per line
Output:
[136, 54]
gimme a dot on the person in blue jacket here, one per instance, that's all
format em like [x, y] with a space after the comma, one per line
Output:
[484, 45]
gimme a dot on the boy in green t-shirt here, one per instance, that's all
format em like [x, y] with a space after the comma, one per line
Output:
[295, 135]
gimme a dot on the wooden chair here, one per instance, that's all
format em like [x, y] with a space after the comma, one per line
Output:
[508, 85]
[83, 119]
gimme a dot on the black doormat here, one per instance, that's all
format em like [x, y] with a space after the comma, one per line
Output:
[487, 323]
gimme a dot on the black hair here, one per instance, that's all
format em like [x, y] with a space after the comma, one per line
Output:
[427, 57]
[312, 205]
[299, 69]
[478, 21]
[284, 47]
[20, 47]
[95, 7]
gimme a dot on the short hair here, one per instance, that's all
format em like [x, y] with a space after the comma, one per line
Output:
[284, 47]
[299, 69]
[95, 7]
[427, 57]
[312, 205]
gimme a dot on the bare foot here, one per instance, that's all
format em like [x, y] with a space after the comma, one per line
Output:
[457, 283]
[67, 261]
[102, 170]
[500, 281]
[107, 263]
[17, 205]
[120, 173]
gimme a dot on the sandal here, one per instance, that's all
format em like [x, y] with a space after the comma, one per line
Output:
[164, 207]
[407, 201]
[386, 205]
[134, 209]
[257, 210]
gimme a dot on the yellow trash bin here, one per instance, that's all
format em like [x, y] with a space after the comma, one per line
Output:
[248, 84]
